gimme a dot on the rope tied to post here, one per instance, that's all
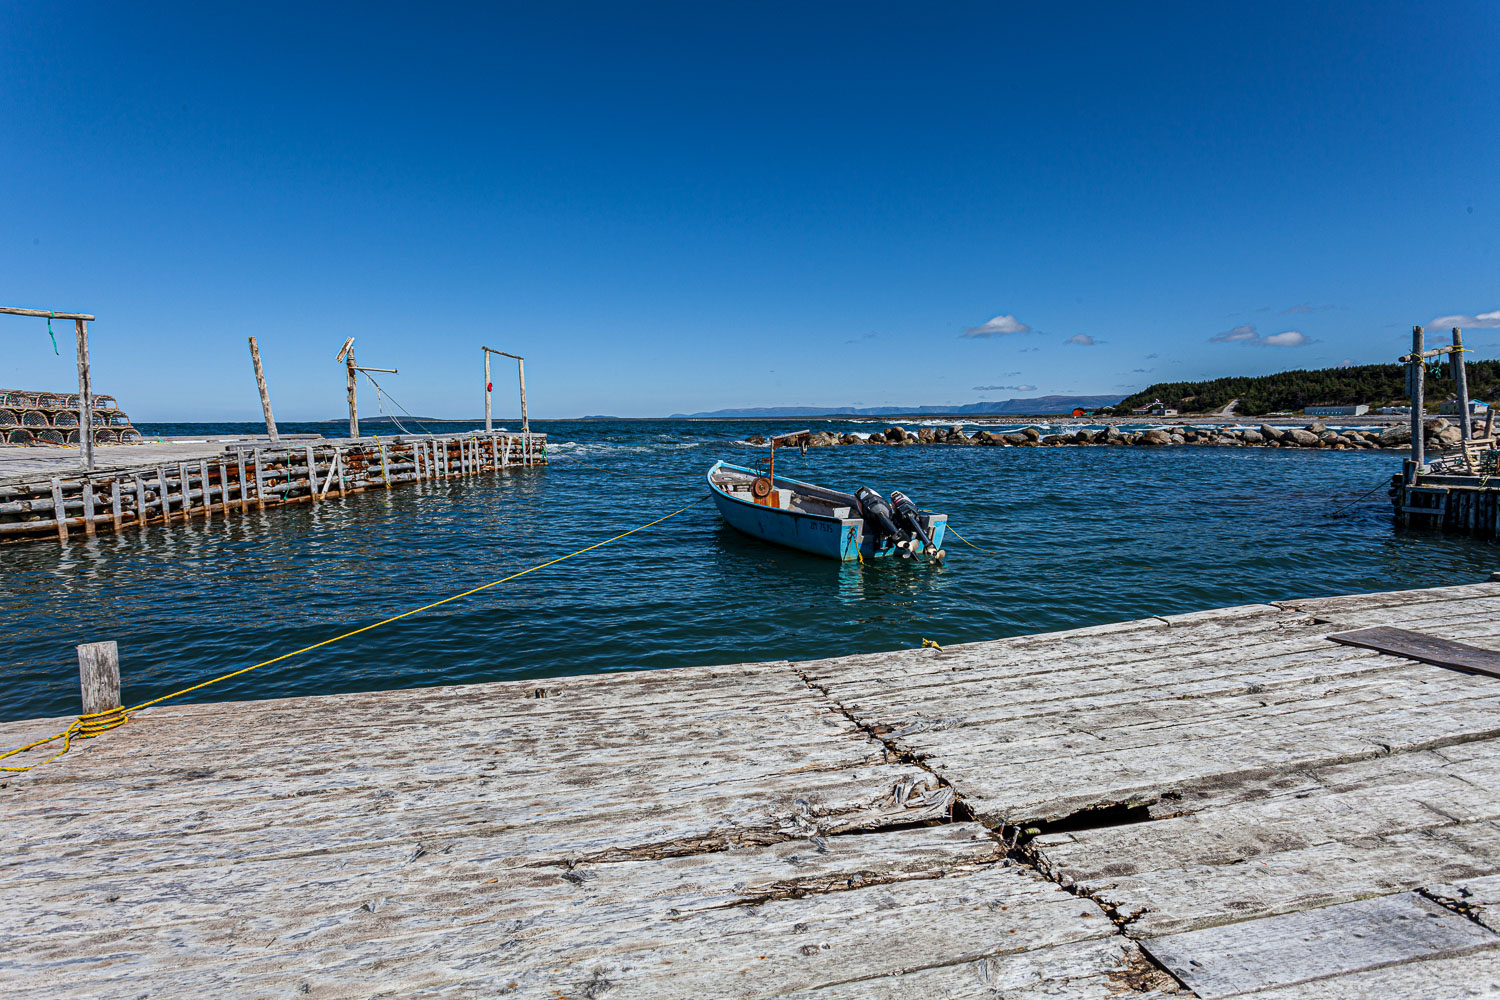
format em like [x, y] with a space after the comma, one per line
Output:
[50, 316]
[94, 724]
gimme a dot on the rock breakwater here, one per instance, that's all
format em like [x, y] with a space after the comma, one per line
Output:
[1439, 434]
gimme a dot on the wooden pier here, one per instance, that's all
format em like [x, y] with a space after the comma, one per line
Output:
[200, 480]
[1225, 803]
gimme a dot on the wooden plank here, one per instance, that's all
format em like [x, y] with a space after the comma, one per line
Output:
[163, 497]
[1475, 975]
[58, 513]
[335, 472]
[185, 485]
[1317, 944]
[140, 502]
[114, 502]
[87, 488]
[1478, 898]
[260, 479]
[1425, 648]
[244, 481]
[224, 488]
[312, 473]
[208, 498]
[385, 468]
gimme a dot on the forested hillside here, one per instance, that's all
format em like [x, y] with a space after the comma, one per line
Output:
[1377, 385]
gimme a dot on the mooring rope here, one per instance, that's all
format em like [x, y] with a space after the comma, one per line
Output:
[961, 538]
[1383, 481]
[93, 724]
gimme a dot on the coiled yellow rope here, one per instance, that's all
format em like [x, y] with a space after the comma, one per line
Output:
[89, 726]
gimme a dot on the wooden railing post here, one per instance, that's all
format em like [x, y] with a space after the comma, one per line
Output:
[99, 676]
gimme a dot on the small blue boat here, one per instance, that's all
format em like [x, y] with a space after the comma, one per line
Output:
[822, 521]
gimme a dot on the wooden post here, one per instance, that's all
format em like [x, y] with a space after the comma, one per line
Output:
[88, 506]
[185, 485]
[260, 478]
[114, 502]
[265, 395]
[1461, 376]
[85, 397]
[140, 502]
[99, 676]
[346, 355]
[385, 469]
[1418, 403]
[312, 474]
[208, 499]
[488, 385]
[161, 494]
[224, 489]
[521, 369]
[58, 512]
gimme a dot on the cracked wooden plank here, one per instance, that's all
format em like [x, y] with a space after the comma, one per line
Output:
[1101, 969]
[1318, 944]
[1170, 900]
[1470, 976]
[1234, 822]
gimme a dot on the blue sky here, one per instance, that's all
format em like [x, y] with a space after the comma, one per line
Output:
[672, 207]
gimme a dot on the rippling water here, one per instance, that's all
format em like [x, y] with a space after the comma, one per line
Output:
[1079, 536]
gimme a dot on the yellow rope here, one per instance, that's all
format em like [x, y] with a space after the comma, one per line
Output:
[970, 544]
[89, 726]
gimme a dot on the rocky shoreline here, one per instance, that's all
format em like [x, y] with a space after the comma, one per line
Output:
[1439, 434]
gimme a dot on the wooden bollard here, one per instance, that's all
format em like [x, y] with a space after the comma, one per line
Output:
[99, 676]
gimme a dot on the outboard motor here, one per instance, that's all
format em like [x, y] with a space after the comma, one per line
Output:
[907, 514]
[878, 514]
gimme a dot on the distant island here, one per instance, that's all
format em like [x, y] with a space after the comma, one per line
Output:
[1372, 385]
[1038, 405]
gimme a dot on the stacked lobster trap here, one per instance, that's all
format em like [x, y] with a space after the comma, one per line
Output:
[52, 419]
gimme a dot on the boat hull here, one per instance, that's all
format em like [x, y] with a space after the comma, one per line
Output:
[843, 539]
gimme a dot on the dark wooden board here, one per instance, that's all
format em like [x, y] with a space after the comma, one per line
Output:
[1427, 648]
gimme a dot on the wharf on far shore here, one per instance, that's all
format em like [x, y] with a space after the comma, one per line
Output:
[1223, 803]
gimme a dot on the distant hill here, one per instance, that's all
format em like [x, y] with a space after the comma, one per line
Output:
[1375, 385]
[1037, 405]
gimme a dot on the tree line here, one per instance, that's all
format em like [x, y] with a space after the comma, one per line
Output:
[1375, 385]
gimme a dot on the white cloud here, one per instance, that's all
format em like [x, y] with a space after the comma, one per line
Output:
[993, 388]
[1000, 326]
[1081, 339]
[1484, 321]
[1247, 334]
[1347, 363]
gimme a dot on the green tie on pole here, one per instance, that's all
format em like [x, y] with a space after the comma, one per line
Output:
[52, 335]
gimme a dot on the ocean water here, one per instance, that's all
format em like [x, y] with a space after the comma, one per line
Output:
[1076, 536]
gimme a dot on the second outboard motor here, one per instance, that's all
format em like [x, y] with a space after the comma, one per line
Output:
[907, 514]
[877, 513]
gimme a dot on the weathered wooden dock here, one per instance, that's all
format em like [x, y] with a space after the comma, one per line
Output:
[135, 486]
[1223, 804]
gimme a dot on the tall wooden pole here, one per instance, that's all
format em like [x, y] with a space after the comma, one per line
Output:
[353, 408]
[1418, 402]
[488, 385]
[1461, 375]
[265, 395]
[85, 397]
[521, 367]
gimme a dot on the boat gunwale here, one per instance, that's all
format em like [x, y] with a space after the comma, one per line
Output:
[789, 511]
